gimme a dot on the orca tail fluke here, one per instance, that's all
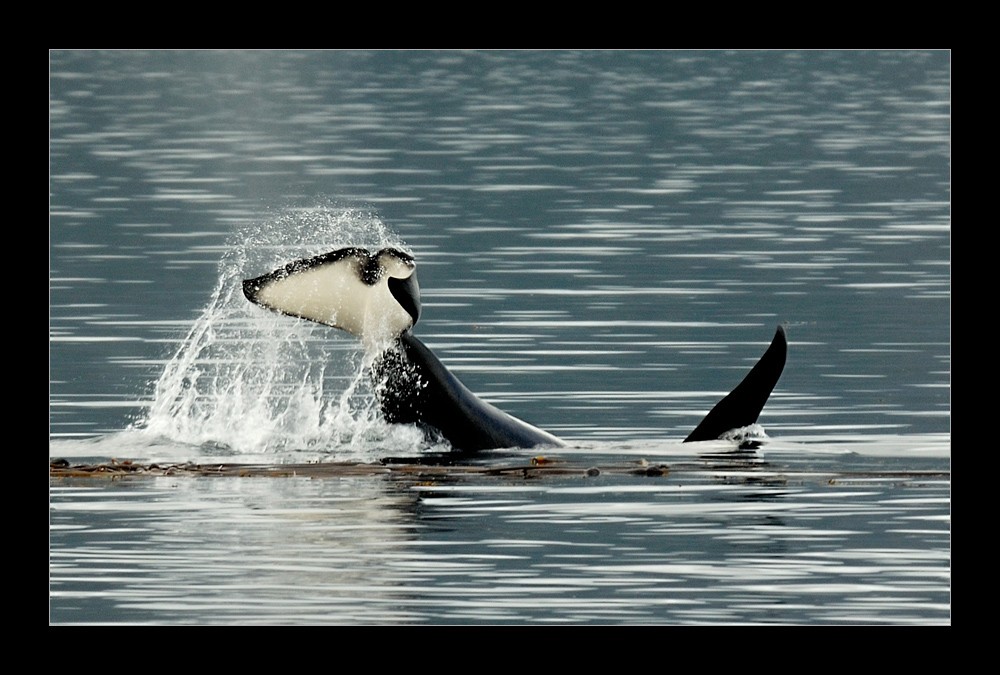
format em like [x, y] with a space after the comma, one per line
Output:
[742, 406]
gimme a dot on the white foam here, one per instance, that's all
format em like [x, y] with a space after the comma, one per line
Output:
[249, 381]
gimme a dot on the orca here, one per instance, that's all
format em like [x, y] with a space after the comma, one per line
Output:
[375, 296]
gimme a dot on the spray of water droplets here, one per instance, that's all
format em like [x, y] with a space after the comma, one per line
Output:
[249, 381]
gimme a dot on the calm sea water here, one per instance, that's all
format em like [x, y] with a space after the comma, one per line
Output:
[605, 243]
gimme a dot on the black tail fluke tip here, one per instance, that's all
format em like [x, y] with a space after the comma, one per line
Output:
[742, 406]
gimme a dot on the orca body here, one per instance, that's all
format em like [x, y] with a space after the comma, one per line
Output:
[414, 387]
[376, 298]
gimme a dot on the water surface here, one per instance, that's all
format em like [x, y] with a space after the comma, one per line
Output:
[605, 243]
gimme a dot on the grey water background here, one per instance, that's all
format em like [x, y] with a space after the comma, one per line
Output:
[605, 243]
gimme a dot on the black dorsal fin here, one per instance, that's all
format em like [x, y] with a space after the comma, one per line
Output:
[742, 406]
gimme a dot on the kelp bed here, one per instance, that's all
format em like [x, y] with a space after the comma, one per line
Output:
[539, 467]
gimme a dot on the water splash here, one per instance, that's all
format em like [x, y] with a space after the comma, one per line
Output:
[246, 381]
[748, 434]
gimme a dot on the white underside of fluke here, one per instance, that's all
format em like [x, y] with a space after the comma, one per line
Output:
[334, 294]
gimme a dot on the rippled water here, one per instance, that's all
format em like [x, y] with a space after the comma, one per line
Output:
[605, 243]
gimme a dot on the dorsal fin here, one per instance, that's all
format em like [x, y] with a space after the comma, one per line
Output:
[742, 406]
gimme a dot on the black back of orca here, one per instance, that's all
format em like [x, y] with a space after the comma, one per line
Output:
[414, 387]
[742, 406]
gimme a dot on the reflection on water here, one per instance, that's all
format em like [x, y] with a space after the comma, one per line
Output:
[713, 541]
[605, 243]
